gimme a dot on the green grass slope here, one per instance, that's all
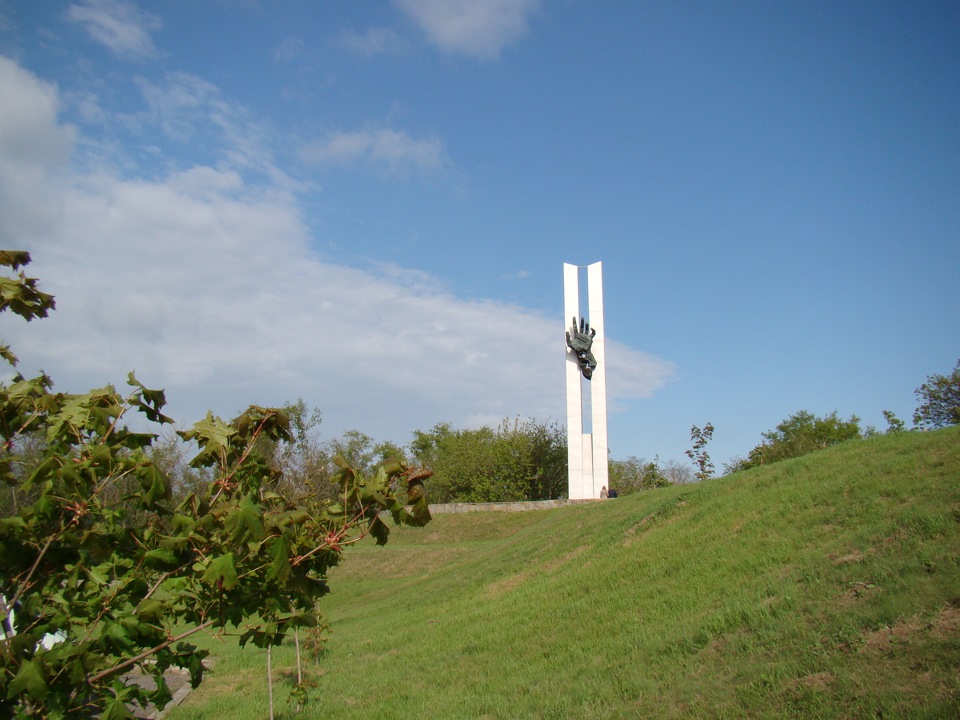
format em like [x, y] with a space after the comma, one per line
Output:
[826, 586]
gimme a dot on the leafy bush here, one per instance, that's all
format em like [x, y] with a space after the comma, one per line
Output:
[801, 433]
[520, 460]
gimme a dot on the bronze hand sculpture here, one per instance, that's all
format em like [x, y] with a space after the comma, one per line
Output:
[580, 341]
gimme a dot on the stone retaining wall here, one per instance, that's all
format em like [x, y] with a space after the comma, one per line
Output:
[444, 508]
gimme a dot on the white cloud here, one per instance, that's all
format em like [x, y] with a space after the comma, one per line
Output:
[180, 104]
[192, 112]
[518, 275]
[87, 106]
[27, 137]
[121, 27]
[476, 28]
[288, 50]
[33, 151]
[206, 285]
[385, 150]
[375, 41]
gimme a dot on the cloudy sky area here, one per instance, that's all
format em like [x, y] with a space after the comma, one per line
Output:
[367, 205]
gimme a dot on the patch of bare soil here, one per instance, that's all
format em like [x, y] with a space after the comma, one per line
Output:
[499, 587]
[945, 625]
[847, 559]
[563, 560]
[858, 591]
[817, 681]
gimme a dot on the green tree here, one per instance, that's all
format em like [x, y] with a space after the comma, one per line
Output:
[306, 466]
[106, 572]
[519, 460]
[676, 472]
[802, 433]
[939, 400]
[634, 474]
[362, 451]
[306, 462]
[698, 453]
[894, 424]
[547, 446]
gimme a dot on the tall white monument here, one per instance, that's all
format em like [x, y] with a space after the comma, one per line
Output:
[586, 382]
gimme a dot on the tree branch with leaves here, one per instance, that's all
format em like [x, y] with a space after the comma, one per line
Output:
[104, 573]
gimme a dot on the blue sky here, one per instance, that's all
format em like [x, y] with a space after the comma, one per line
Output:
[368, 205]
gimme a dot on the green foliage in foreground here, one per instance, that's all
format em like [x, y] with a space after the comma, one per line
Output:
[101, 572]
[826, 586]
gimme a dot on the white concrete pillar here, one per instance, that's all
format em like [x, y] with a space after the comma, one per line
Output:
[586, 452]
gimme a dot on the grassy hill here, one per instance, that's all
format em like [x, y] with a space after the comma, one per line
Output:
[826, 586]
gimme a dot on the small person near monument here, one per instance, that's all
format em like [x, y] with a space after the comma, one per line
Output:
[603, 493]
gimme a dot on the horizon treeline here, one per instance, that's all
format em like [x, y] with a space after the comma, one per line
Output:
[518, 460]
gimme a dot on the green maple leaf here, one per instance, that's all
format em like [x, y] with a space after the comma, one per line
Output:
[213, 436]
[279, 549]
[116, 709]
[148, 401]
[160, 559]
[7, 354]
[222, 570]
[245, 522]
[30, 680]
